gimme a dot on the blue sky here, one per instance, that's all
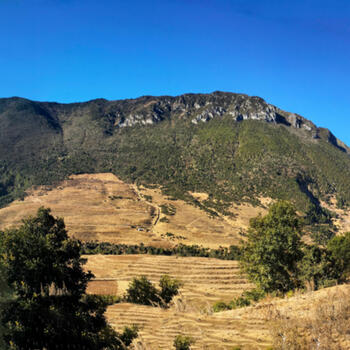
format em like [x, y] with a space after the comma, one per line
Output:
[294, 54]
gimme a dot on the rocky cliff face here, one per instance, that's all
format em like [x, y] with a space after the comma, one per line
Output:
[201, 108]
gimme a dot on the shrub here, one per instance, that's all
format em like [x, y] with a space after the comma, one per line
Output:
[183, 342]
[254, 294]
[110, 299]
[317, 268]
[339, 248]
[169, 287]
[245, 299]
[239, 302]
[142, 291]
[168, 209]
[321, 234]
[221, 306]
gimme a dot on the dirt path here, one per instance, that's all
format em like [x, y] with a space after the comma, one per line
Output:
[155, 206]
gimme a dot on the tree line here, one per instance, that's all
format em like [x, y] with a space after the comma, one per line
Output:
[225, 253]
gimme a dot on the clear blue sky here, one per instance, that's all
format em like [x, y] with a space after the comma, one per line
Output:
[294, 54]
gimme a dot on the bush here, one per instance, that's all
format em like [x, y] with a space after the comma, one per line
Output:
[318, 268]
[253, 294]
[142, 291]
[231, 253]
[221, 306]
[245, 299]
[183, 342]
[169, 287]
[321, 235]
[239, 302]
[339, 248]
[110, 299]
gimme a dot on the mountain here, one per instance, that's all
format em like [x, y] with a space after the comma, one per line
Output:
[234, 147]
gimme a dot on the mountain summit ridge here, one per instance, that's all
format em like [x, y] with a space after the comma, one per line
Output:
[149, 110]
[232, 146]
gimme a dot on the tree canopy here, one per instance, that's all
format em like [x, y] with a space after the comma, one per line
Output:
[273, 249]
[51, 309]
[142, 291]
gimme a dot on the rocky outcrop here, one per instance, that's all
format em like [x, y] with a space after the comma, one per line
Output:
[201, 108]
[194, 108]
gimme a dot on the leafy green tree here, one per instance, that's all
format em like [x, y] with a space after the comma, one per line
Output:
[6, 294]
[183, 342]
[51, 309]
[273, 248]
[142, 291]
[317, 267]
[339, 247]
[169, 287]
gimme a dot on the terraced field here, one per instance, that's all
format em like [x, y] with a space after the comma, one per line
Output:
[102, 207]
[96, 206]
[249, 327]
[205, 280]
[158, 327]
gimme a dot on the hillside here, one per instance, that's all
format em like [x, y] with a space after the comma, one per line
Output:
[163, 171]
[206, 281]
[233, 147]
[104, 208]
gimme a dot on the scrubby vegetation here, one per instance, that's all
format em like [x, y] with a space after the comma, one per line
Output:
[183, 342]
[247, 298]
[49, 307]
[142, 291]
[168, 209]
[324, 327]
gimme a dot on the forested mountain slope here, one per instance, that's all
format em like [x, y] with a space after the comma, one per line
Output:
[234, 147]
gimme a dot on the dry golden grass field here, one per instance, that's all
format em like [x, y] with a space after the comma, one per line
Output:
[102, 207]
[206, 281]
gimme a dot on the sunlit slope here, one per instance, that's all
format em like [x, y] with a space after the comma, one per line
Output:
[249, 328]
[206, 280]
[102, 207]
[214, 331]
